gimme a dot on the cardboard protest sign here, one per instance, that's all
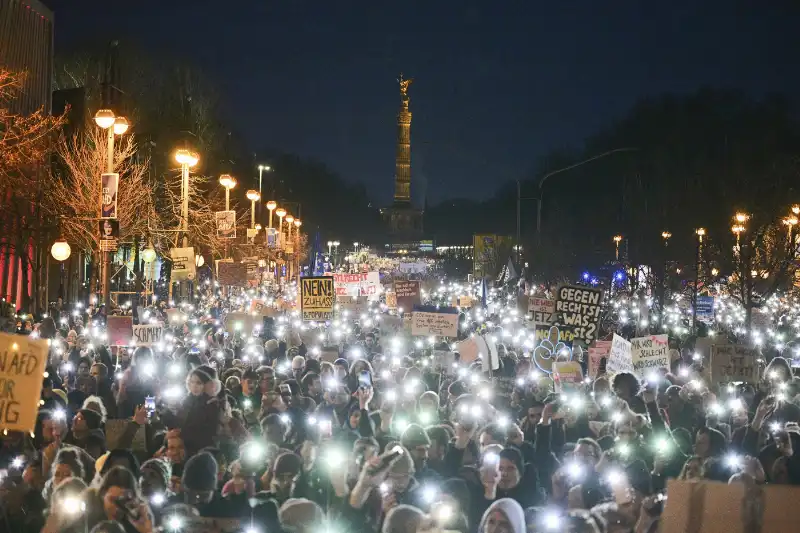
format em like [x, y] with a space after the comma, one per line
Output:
[619, 358]
[597, 351]
[391, 300]
[567, 375]
[464, 300]
[260, 308]
[441, 324]
[183, 267]
[317, 296]
[649, 353]
[578, 308]
[120, 330]
[407, 293]
[733, 362]
[542, 309]
[542, 332]
[354, 305]
[232, 274]
[22, 364]
[147, 335]
[360, 284]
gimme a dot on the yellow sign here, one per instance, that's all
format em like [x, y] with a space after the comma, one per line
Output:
[22, 364]
[317, 297]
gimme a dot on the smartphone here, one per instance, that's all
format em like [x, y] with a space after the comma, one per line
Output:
[150, 405]
[364, 380]
[285, 389]
[325, 429]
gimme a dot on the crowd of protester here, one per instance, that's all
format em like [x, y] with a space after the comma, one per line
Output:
[265, 434]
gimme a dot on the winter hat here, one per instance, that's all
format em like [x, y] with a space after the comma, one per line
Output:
[512, 510]
[513, 454]
[415, 436]
[61, 394]
[342, 363]
[287, 463]
[205, 373]
[403, 465]
[200, 473]
[298, 514]
[93, 419]
[271, 346]
[159, 466]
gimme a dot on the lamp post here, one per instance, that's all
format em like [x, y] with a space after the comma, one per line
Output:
[280, 213]
[60, 250]
[229, 182]
[187, 159]
[617, 240]
[261, 169]
[253, 196]
[665, 236]
[289, 222]
[297, 224]
[330, 244]
[700, 232]
[271, 205]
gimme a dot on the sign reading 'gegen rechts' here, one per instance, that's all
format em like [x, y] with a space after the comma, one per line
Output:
[578, 308]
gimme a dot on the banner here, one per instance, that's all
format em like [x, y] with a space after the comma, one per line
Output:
[619, 358]
[183, 268]
[542, 309]
[109, 185]
[649, 353]
[705, 309]
[578, 308]
[232, 274]
[408, 294]
[22, 364]
[147, 335]
[597, 352]
[363, 284]
[439, 324]
[317, 296]
[353, 305]
[226, 224]
[418, 267]
[733, 362]
[120, 330]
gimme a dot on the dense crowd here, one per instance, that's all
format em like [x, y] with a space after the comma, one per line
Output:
[307, 428]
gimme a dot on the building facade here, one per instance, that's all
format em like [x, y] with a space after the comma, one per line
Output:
[26, 45]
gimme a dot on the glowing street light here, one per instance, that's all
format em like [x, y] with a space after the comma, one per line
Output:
[149, 254]
[271, 205]
[60, 250]
[229, 182]
[187, 159]
[104, 118]
[289, 222]
[280, 213]
[253, 196]
[617, 240]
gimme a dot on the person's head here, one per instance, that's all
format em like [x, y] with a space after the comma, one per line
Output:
[298, 364]
[403, 519]
[86, 420]
[601, 387]
[340, 369]
[285, 470]
[416, 441]
[587, 452]
[625, 385]
[176, 451]
[439, 438]
[401, 473]
[99, 371]
[68, 463]
[220, 458]
[274, 429]
[512, 468]
[141, 358]
[154, 476]
[300, 515]
[692, 469]
[266, 378]
[249, 382]
[118, 484]
[337, 394]
[778, 371]
[354, 416]
[503, 516]
[54, 425]
[203, 380]
[84, 366]
[709, 443]
[121, 457]
[199, 480]
[534, 413]
[492, 434]
[428, 402]
[312, 384]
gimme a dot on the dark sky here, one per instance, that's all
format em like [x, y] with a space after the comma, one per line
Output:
[497, 83]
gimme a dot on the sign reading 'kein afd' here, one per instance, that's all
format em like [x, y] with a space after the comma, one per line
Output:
[317, 297]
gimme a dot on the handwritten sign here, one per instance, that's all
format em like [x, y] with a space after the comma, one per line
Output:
[542, 309]
[732, 362]
[598, 351]
[567, 375]
[578, 308]
[649, 353]
[408, 294]
[22, 364]
[391, 300]
[317, 297]
[439, 324]
[361, 284]
[147, 335]
[120, 330]
[619, 358]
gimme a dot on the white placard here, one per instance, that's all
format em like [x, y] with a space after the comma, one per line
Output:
[439, 324]
[649, 353]
[619, 359]
[147, 335]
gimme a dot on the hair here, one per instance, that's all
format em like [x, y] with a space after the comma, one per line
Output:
[626, 379]
[402, 519]
[592, 444]
[307, 380]
[96, 404]
[103, 369]
[85, 361]
[118, 476]
[439, 435]
[71, 456]
[497, 433]
[716, 441]
[141, 354]
[70, 485]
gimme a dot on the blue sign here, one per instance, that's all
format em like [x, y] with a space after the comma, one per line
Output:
[705, 309]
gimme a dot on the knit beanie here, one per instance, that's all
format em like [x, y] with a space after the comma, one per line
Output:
[297, 514]
[205, 373]
[93, 419]
[512, 454]
[403, 465]
[160, 466]
[415, 436]
[200, 473]
[287, 463]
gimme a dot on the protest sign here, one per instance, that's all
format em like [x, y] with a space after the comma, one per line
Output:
[705, 309]
[226, 224]
[578, 308]
[232, 274]
[733, 362]
[120, 330]
[464, 300]
[441, 324]
[183, 266]
[597, 351]
[260, 308]
[22, 364]
[418, 267]
[361, 284]
[541, 332]
[649, 353]
[391, 300]
[317, 296]
[407, 293]
[147, 335]
[542, 309]
[353, 305]
[567, 375]
[619, 358]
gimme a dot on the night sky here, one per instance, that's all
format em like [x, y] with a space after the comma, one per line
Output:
[497, 83]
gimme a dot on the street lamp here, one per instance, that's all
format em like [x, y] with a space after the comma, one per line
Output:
[796, 209]
[271, 205]
[289, 221]
[280, 212]
[186, 159]
[253, 196]
[330, 244]
[60, 250]
[700, 232]
[229, 182]
[149, 254]
[261, 169]
[617, 240]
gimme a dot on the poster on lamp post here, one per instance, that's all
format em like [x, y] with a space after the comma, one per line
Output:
[183, 267]
[109, 191]
[109, 234]
[226, 224]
